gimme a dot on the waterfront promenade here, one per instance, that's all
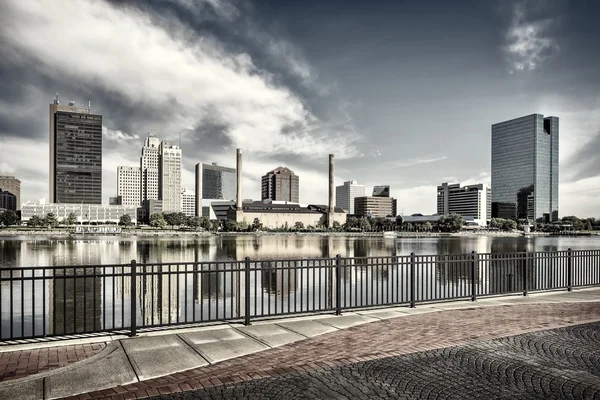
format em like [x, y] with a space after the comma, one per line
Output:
[226, 361]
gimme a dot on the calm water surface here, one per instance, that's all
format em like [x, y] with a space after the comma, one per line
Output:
[41, 301]
[44, 251]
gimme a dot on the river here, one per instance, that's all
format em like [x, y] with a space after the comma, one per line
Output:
[32, 251]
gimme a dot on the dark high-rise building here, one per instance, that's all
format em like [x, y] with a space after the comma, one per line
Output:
[281, 184]
[525, 166]
[218, 183]
[12, 185]
[8, 201]
[75, 154]
[381, 191]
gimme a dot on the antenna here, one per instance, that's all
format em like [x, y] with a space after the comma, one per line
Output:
[56, 99]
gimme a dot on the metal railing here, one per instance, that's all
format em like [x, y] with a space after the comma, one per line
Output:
[61, 301]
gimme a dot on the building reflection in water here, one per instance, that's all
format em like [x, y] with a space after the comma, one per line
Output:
[180, 292]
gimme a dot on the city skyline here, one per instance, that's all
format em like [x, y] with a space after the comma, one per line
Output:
[405, 103]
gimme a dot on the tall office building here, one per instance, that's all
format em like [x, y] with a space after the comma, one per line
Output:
[149, 169]
[525, 166]
[75, 154]
[218, 183]
[170, 177]
[381, 191]
[281, 184]
[469, 201]
[12, 185]
[128, 186]
[346, 193]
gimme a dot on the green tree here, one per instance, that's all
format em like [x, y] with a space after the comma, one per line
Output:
[427, 226]
[298, 225]
[573, 220]
[364, 224]
[175, 219]
[451, 223]
[230, 226]
[51, 221]
[157, 220]
[35, 221]
[71, 219]
[351, 224]
[205, 223]
[588, 225]
[193, 222]
[125, 220]
[336, 226]
[256, 225]
[9, 218]
[243, 226]
[215, 225]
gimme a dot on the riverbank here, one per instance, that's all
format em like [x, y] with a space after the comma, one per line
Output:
[63, 233]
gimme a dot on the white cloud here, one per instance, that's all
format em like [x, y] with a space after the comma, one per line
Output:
[416, 161]
[528, 44]
[150, 65]
[125, 52]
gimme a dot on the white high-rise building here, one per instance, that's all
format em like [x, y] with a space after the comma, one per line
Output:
[128, 185]
[469, 201]
[149, 169]
[170, 177]
[188, 202]
[346, 193]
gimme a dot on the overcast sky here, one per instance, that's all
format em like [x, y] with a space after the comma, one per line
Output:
[402, 92]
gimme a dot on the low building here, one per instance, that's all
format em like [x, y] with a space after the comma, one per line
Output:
[275, 215]
[188, 202]
[85, 213]
[374, 206]
[8, 201]
[472, 201]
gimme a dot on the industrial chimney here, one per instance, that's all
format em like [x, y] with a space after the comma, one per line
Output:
[331, 191]
[238, 201]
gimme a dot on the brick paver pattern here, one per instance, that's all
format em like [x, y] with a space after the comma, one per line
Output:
[551, 364]
[386, 338]
[18, 364]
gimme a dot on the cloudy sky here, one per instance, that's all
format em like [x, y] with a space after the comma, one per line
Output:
[402, 92]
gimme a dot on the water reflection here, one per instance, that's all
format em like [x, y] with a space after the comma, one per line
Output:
[66, 300]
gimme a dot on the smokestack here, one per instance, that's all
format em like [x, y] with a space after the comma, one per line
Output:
[198, 189]
[331, 189]
[238, 203]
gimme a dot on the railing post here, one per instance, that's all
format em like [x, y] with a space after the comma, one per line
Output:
[473, 276]
[247, 291]
[412, 280]
[525, 273]
[133, 295]
[569, 269]
[338, 285]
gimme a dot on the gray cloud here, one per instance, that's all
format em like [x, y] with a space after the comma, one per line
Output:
[529, 42]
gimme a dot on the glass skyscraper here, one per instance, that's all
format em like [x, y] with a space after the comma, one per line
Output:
[218, 183]
[525, 166]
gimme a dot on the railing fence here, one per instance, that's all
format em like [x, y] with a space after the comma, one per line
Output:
[74, 300]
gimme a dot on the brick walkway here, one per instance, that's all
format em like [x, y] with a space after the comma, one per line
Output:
[18, 364]
[549, 364]
[386, 338]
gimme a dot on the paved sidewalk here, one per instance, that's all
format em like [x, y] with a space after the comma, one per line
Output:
[166, 362]
[18, 364]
